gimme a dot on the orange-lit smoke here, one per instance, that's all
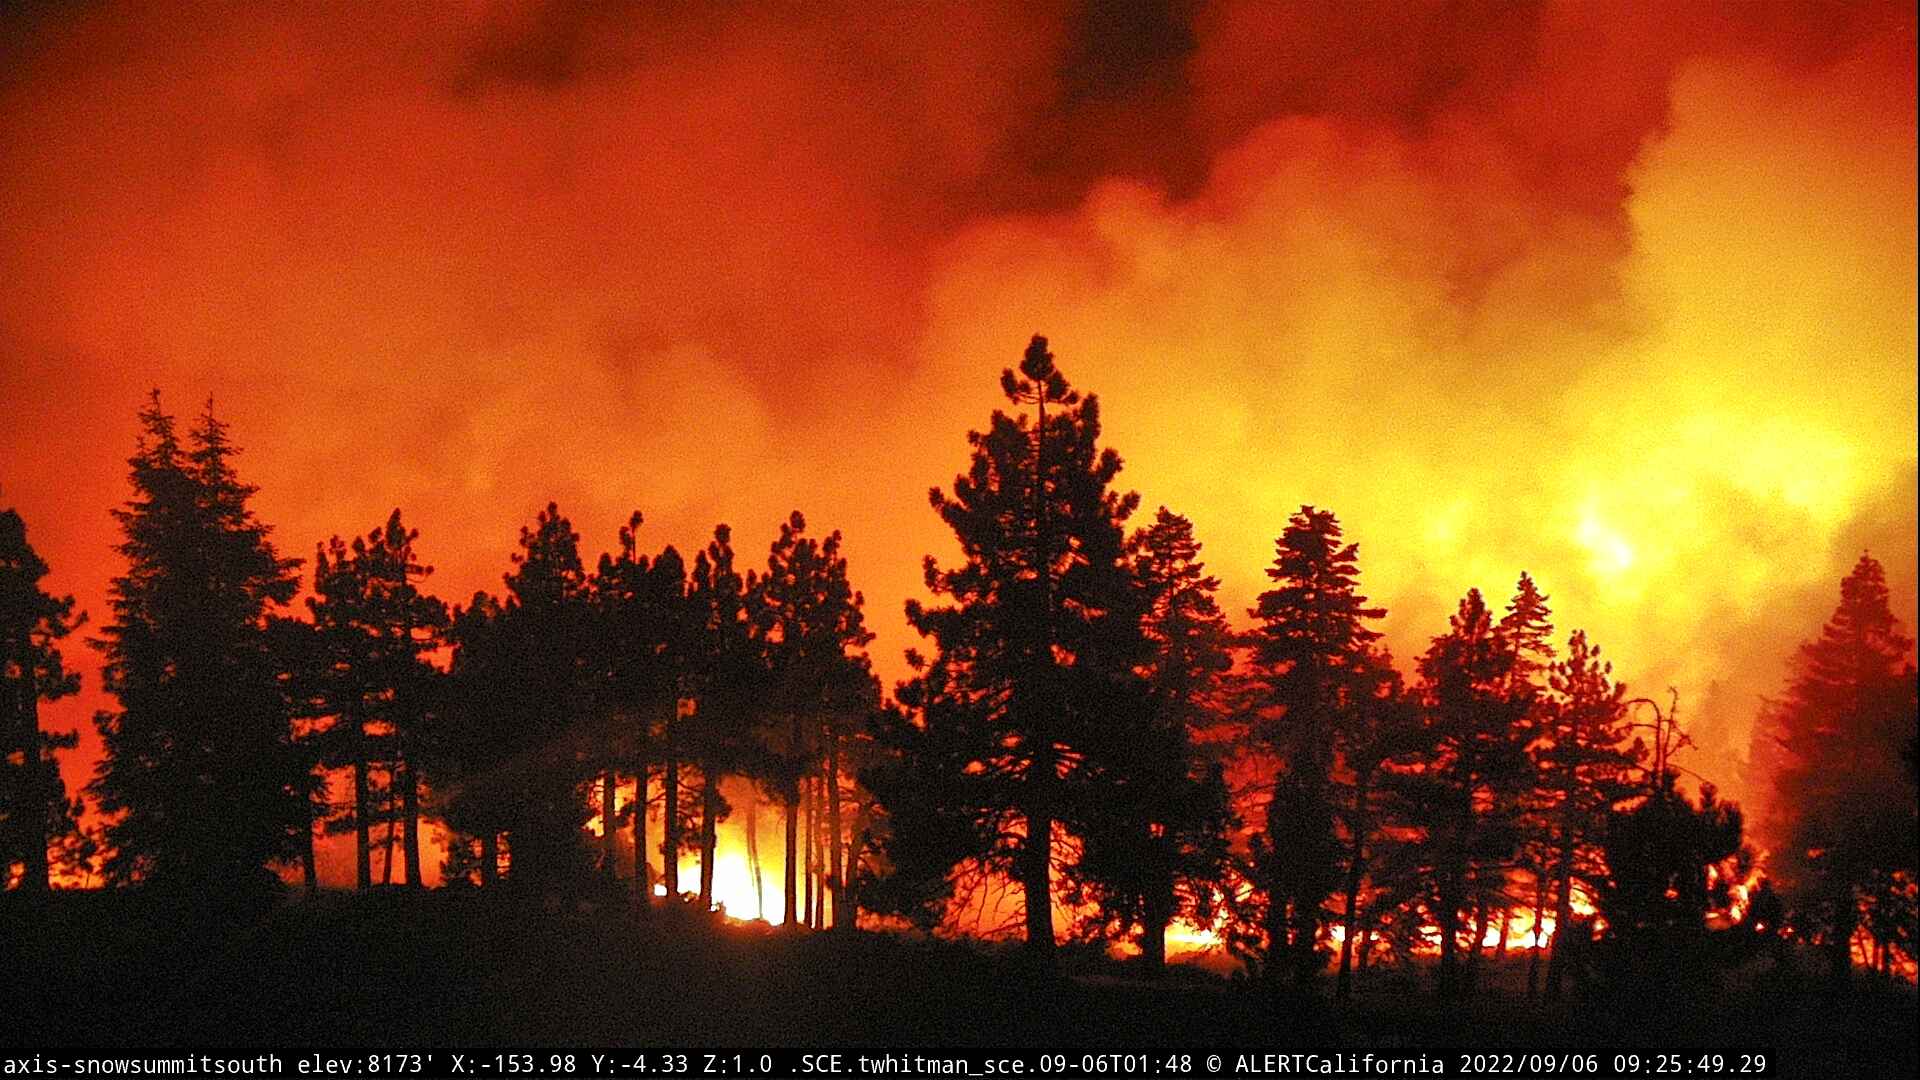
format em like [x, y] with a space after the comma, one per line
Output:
[1620, 295]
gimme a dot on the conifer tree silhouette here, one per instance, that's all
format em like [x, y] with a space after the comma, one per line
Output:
[199, 776]
[820, 684]
[1659, 886]
[1527, 627]
[516, 734]
[1156, 839]
[642, 644]
[1039, 644]
[1848, 829]
[39, 823]
[724, 681]
[1313, 675]
[1472, 770]
[375, 628]
[1587, 762]
[628, 672]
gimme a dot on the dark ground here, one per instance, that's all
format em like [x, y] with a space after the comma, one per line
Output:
[394, 971]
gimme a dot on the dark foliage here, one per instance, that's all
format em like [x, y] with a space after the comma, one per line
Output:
[202, 784]
[39, 823]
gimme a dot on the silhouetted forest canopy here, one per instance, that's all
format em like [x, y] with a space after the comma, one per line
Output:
[1088, 745]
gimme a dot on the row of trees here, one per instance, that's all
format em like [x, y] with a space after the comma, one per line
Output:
[1085, 702]
[1084, 724]
[648, 669]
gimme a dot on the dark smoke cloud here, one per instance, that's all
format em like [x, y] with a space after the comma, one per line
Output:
[1619, 293]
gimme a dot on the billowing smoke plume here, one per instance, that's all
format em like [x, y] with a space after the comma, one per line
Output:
[1625, 298]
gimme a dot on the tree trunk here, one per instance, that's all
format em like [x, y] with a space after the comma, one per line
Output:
[855, 849]
[1279, 941]
[709, 832]
[1279, 918]
[1482, 915]
[609, 833]
[309, 859]
[1539, 915]
[489, 858]
[753, 853]
[1846, 917]
[670, 798]
[1036, 861]
[790, 913]
[1562, 916]
[789, 872]
[642, 859]
[819, 853]
[38, 874]
[1365, 955]
[1449, 927]
[1343, 983]
[808, 801]
[842, 913]
[1155, 914]
[1506, 923]
[410, 809]
[818, 847]
[1356, 867]
[386, 866]
[362, 828]
[1035, 864]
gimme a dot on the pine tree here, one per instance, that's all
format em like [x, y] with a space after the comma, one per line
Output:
[1587, 766]
[820, 687]
[1313, 675]
[1659, 854]
[724, 683]
[639, 607]
[1157, 850]
[200, 779]
[39, 823]
[1038, 642]
[375, 629]
[680, 629]
[518, 749]
[1469, 777]
[618, 747]
[1527, 627]
[1380, 726]
[1845, 804]
[649, 646]
[473, 739]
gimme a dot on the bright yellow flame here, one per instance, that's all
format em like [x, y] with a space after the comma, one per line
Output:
[1611, 555]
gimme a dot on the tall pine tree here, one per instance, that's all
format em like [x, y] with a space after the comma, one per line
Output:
[1313, 675]
[39, 823]
[820, 687]
[1471, 774]
[1588, 762]
[646, 627]
[1844, 806]
[199, 778]
[725, 685]
[1527, 627]
[1156, 849]
[1037, 641]
[518, 746]
[375, 629]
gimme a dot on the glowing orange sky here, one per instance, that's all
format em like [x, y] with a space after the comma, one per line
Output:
[1625, 298]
